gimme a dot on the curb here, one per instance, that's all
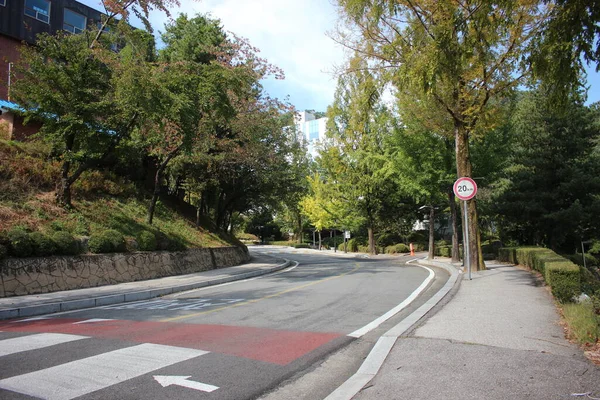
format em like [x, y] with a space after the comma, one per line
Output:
[370, 367]
[79, 304]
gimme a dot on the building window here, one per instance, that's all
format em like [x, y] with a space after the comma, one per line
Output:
[38, 9]
[2, 2]
[73, 22]
[313, 130]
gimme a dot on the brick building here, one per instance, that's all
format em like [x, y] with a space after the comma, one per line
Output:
[20, 22]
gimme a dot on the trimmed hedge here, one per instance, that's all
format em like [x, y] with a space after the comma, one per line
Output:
[65, 243]
[20, 243]
[397, 248]
[42, 244]
[560, 274]
[146, 241]
[301, 245]
[109, 241]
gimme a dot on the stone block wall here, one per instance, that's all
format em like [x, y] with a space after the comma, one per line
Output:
[21, 276]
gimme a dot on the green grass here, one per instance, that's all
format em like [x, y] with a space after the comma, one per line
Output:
[584, 324]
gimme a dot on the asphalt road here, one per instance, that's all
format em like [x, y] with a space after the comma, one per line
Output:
[234, 341]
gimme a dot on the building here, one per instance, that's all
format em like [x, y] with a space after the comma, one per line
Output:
[20, 22]
[310, 130]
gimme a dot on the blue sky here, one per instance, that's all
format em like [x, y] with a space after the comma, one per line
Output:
[291, 34]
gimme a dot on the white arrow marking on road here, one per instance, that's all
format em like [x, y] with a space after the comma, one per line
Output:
[183, 381]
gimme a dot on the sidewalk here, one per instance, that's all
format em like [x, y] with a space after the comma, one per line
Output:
[31, 305]
[498, 338]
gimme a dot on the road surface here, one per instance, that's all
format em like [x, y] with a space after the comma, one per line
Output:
[234, 341]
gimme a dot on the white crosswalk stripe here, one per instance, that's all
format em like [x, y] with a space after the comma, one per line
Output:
[77, 378]
[33, 342]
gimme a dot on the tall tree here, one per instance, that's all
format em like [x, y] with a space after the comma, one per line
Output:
[461, 54]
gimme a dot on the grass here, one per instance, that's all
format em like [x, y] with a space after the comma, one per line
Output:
[583, 323]
[101, 201]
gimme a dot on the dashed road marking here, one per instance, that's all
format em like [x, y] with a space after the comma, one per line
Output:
[34, 342]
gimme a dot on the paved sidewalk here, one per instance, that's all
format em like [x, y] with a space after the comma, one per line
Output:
[498, 338]
[31, 305]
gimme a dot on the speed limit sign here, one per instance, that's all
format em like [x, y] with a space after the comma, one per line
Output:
[465, 188]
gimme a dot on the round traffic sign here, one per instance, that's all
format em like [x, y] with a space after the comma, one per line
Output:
[465, 188]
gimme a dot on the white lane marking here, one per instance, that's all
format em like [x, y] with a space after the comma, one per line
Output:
[80, 377]
[385, 343]
[33, 342]
[183, 381]
[374, 324]
[89, 321]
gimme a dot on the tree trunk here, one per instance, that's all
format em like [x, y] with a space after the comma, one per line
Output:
[299, 221]
[431, 253]
[464, 169]
[454, 217]
[157, 180]
[372, 247]
[319, 240]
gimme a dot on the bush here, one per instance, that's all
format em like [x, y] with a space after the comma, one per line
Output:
[563, 278]
[146, 241]
[42, 244]
[20, 243]
[301, 245]
[109, 241]
[387, 240]
[65, 243]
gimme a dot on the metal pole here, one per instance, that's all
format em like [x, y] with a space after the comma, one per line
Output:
[466, 244]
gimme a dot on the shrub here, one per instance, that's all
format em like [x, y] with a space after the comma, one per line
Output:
[42, 244]
[109, 241]
[65, 243]
[20, 243]
[563, 278]
[387, 239]
[146, 241]
[301, 245]
[3, 251]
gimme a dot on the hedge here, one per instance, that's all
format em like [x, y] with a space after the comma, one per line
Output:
[109, 241]
[146, 241]
[563, 277]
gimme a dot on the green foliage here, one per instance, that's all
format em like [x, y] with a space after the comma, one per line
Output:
[20, 243]
[301, 245]
[65, 243]
[397, 248]
[584, 323]
[146, 241]
[108, 241]
[42, 245]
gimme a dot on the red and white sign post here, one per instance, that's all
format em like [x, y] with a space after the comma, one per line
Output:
[465, 189]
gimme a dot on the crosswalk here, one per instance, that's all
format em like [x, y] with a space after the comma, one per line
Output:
[80, 377]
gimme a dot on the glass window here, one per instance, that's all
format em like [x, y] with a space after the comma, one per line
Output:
[73, 22]
[313, 130]
[2, 2]
[38, 9]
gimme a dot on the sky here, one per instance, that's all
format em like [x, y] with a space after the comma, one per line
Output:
[291, 34]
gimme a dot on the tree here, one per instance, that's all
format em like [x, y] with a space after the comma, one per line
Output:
[460, 55]
[549, 195]
[90, 100]
[354, 159]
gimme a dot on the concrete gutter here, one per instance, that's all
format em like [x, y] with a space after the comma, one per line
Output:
[127, 296]
[370, 367]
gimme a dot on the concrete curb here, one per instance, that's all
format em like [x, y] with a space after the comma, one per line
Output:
[79, 304]
[370, 367]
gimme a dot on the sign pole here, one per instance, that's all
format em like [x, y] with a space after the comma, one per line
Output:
[466, 241]
[465, 189]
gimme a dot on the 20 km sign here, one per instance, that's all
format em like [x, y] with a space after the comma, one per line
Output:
[465, 188]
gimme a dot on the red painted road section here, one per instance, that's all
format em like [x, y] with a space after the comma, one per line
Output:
[269, 345]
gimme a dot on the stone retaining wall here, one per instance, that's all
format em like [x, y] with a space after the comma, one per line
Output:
[35, 275]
